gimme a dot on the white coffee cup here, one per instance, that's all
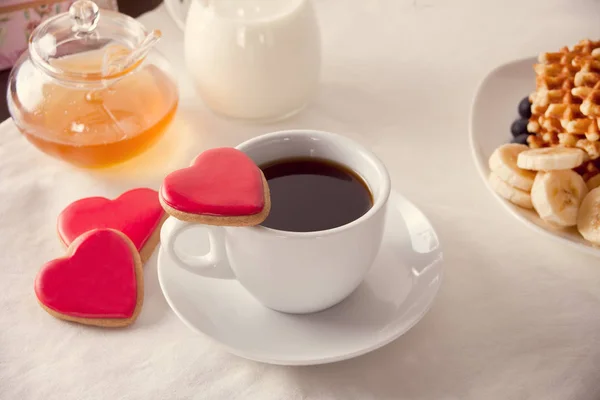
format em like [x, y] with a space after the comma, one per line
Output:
[295, 272]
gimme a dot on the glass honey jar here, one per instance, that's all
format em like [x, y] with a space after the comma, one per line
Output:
[91, 89]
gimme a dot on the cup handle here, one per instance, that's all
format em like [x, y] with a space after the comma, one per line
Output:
[212, 264]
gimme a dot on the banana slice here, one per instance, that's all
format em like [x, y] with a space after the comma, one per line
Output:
[510, 193]
[551, 158]
[556, 196]
[588, 220]
[593, 182]
[503, 162]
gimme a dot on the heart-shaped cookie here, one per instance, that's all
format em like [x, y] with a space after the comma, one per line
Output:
[99, 281]
[137, 213]
[223, 186]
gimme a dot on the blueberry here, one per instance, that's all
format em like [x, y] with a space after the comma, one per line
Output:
[521, 139]
[525, 108]
[519, 127]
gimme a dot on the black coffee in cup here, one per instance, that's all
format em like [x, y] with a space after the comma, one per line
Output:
[310, 194]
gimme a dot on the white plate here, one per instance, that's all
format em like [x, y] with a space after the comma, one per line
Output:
[396, 294]
[494, 109]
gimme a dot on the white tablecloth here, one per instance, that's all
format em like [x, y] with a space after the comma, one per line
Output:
[518, 316]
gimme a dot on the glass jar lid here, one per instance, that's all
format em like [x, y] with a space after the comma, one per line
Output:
[87, 44]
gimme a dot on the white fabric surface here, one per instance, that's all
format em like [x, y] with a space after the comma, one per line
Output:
[518, 316]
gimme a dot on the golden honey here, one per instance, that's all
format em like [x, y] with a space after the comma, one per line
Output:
[103, 127]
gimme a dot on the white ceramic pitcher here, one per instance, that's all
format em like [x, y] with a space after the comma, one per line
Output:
[252, 59]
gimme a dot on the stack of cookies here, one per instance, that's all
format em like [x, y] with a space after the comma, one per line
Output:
[100, 281]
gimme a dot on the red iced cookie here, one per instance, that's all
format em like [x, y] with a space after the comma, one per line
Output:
[137, 213]
[99, 281]
[223, 186]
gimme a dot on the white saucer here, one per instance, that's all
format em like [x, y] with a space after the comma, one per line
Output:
[494, 109]
[396, 294]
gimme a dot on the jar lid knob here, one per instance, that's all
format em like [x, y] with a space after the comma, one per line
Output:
[85, 15]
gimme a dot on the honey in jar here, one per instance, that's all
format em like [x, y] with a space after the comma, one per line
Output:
[92, 91]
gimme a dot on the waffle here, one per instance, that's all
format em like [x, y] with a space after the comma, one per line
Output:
[553, 104]
[565, 109]
[555, 74]
[588, 67]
